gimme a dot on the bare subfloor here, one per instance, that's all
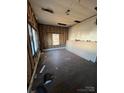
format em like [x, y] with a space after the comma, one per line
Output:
[72, 73]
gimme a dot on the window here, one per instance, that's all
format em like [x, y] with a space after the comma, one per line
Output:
[55, 38]
[33, 39]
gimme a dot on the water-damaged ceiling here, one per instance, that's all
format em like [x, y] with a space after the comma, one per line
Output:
[67, 12]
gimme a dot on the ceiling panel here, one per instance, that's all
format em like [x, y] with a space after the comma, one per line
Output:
[79, 10]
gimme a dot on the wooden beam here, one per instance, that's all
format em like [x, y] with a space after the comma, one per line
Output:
[34, 71]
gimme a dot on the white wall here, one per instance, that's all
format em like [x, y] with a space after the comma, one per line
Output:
[83, 31]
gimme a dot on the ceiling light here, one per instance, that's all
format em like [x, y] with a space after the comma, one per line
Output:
[47, 10]
[77, 21]
[62, 24]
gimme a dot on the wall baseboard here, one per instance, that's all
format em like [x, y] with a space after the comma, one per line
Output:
[53, 49]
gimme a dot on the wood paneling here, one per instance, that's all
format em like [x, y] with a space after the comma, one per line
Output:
[46, 31]
[31, 17]
[29, 69]
[30, 59]
[29, 51]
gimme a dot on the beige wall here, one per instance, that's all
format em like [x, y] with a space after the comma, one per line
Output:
[86, 50]
[84, 31]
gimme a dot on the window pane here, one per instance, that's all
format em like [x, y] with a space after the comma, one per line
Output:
[29, 30]
[55, 38]
[35, 39]
[31, 39]
[32, 47]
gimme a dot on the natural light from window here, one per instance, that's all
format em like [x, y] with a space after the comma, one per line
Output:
[55, 38]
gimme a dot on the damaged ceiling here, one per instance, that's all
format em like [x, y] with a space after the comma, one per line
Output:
[69, 12]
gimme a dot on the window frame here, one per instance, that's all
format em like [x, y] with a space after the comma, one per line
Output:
[32, 41]
[53, 39]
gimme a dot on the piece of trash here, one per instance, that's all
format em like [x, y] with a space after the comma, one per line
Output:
[42, 68]
[35, 76]
[56, 68]
[47, 82]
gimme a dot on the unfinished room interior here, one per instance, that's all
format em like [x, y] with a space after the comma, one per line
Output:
[62, 46]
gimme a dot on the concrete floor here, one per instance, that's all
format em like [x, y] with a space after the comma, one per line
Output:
[72, 73]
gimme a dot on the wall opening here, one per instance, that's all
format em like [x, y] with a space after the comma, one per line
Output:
[55, 39]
